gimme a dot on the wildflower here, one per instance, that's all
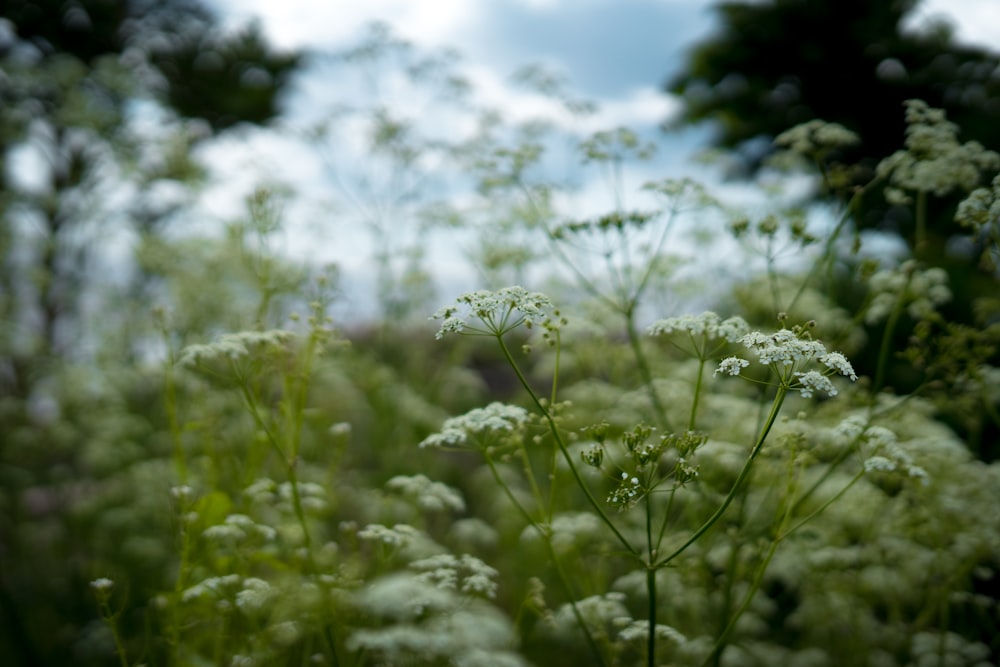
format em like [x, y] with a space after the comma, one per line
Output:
[732, 366]
[499, 312]
[427, 494]
[816, 137]
[811, 381]
[234, 346]
[255, 595]
[398, 535]
[981, 209]
[933, 161]
[102, 585]
[921, 291]
[787, 351]
[446, 571]
[494, 417]
[708, 324]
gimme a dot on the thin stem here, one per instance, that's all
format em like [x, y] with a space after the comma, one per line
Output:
[884, 348]
[779, 398]
[697, 392]
[644, 371]
[563, 449]
[650, 584]
[546, 536]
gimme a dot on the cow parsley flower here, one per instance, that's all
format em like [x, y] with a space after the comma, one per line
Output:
[788, 352]
[466, 573]
[920, 291]
[427, 494]
[933, 161]
[494, 417]
[816, 137]
[234, 346]
[708, 325]
[497, 312]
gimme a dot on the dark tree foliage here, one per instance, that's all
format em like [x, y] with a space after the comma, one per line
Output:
[772, 65]
[224, 79]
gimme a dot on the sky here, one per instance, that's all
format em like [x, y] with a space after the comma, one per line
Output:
[617, 53]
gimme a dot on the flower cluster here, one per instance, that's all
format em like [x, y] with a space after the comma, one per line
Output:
[499, 312]
[234, 346]
[708, 324]
[816, 138]
[787, 351]
[920, 290]
[981, 209]
[933, 162]
[887, 456]
[494, 417]
[466, 573]
[426, 493]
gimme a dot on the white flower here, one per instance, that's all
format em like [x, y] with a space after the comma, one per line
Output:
[499, 312]
[494, 417]
[708, 324]
[731, 366]
[234, 345]
[838, 362]
[816, 137]
[879, 464]
[427, 494]
[102, 584]
[812, 381]
[934, 162]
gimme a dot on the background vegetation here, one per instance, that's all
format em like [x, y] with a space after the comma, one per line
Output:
[199, 466]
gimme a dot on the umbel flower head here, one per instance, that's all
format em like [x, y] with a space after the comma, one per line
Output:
[789, 353]
[933, 162]
[498, 312]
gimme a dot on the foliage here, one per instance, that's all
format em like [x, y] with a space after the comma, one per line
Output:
[580, 476]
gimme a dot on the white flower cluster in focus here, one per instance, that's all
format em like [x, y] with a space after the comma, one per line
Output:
[787, 351]
[498, 312]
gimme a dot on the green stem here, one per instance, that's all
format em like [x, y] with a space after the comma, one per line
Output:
[886, 345]
[779, 398]
[650, 584]
[697, 392]
[546, 535]
[563, 449]
[647, 376]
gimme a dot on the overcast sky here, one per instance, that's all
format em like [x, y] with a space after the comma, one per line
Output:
[617, 53]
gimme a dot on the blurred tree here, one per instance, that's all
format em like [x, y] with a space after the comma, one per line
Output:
[76, 75]
[101, 105]
[774, 64]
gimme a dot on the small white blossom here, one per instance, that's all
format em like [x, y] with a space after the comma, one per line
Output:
[816, 137]
[494, 417]
[498, 312]
[731, 366]
[234, 345]
[812, 381]
[102, 584]
[708, 324]
[838, 362]
[427, 494]
[934, 161]
[879, 464]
